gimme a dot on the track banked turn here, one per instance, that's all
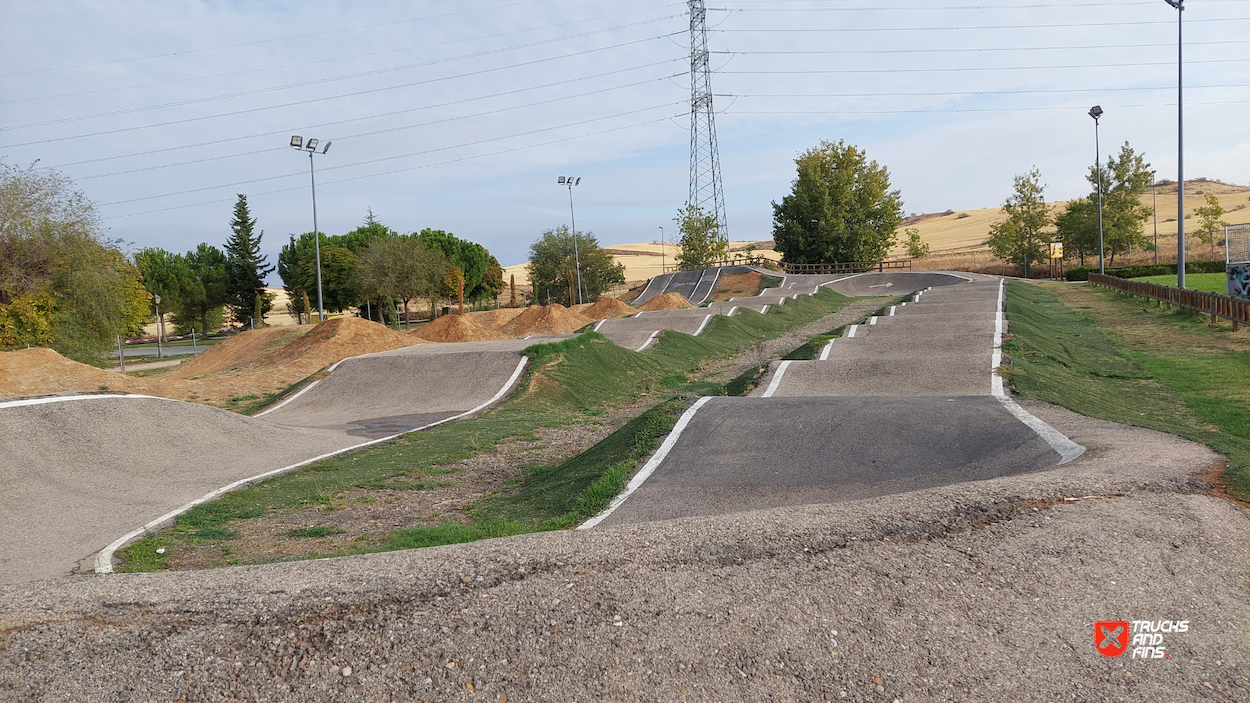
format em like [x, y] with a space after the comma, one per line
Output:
[79, 473]
[910, 403]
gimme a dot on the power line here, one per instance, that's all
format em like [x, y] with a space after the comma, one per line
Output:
[319, 81]
[396, 156]
[269, 41]
[302, 64]
[961, 50]
[828, 113]
[975, 68]
[407, 168]
[389, 129]
[972, 92]
[329, 97]
[1080, 25]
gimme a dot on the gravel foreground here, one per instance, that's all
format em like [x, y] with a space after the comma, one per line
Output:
[982, 591]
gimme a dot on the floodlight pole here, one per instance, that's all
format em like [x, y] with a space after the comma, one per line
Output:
[1154, 206]
[577, 259]
[321, 310]
[662, 264]
[1180, 150]
[1096, 112]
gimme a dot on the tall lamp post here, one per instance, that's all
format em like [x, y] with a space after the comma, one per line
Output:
[1154, 206]
[1180, 151]
[297, 142]
[570, 181]
[1096, 112]
[662, 264]
[156, 302]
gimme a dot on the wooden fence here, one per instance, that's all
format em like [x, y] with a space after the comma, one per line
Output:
[723, 263]
[1201, 302]
[848, 267]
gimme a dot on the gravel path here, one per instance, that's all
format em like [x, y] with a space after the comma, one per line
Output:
[978, 592]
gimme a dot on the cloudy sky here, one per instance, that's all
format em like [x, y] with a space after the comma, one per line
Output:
[460, 116]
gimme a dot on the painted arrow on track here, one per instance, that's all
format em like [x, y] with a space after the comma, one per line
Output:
[883, 285]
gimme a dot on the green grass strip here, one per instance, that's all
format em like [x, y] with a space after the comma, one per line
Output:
[1063, 357]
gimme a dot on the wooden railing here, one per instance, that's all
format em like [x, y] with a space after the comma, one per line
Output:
[722, 263]
[1201, 302]
[848, 267]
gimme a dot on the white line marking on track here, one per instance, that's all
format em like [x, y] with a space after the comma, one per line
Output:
[104, 560]
[772, 386]
[639, 314]
[824, 353]
[731, 311]
[872, 320]
[850, 332]
[651, 465]
[892, 307]
[763, 309]
[648, 342]
[1066, 448]
[66, 398]
[653, 280]
[301, 391]
[702, 325]
[598, 325]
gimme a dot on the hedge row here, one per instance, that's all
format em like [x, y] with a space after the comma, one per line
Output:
[1082, 273]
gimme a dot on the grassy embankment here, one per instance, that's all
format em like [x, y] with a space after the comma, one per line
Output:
[575, 381]
[1111, 356]
[1209, 282]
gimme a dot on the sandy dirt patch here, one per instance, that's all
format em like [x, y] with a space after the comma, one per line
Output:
[456, 328]
[607, 308]
[738, 285]
[494, 319]
[240, 350]
[545, 319]
[667, 301]
[38, 371]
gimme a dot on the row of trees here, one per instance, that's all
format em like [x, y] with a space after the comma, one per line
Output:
[1024, 237]
[197, 286]
[373, 267]
[63, 283]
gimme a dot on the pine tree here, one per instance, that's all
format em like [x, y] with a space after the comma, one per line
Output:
[246, 267]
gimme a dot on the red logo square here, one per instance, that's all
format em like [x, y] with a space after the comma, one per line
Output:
[1111, 637]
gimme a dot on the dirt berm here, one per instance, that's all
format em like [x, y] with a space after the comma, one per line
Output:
[987, 591]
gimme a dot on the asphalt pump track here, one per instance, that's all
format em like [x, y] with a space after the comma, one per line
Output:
[908, 400]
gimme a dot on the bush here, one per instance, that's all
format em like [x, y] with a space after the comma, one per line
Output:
[1081, 273]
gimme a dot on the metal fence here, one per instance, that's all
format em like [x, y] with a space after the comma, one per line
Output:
[848, 267]
[1201, 302]
[1236, 243]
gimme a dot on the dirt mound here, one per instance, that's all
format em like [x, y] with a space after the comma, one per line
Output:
[545, 319]
[738, 285]
[606, 308]
[333, 340]
[494, 319]
[38, 371]
[456, 328]
[238, 351]
[668, 301]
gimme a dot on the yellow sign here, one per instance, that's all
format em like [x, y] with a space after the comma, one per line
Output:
[1056, 250]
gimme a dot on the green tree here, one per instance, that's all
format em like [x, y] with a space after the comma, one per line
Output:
[472, 259]
[339, 289]
[400, 269]
[1077, 228]
[553, 270]
[61, 281]
[246, 267]
[841, 208]
[1020, 238]
[1211, 227]
[1126, 179]
[916, 249]
[165, 274]
[701, 241]
[206, 290]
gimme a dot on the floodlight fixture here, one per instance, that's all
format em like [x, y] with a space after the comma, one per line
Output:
[312, 144]
[1095, 112]
[297, 141]
[560, 180]
[326, 148]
